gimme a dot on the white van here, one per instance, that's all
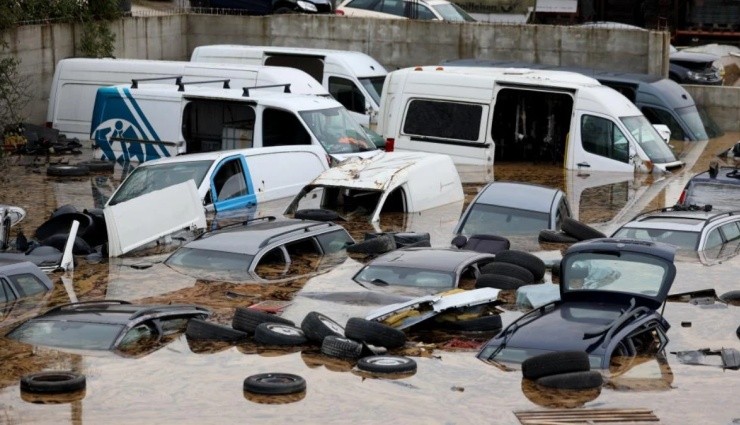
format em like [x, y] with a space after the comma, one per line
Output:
[77, 80]
[151, 121]
[474, 114]
[353, 78]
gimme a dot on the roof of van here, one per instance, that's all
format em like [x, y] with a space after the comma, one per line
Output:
[520, 75]
[218, 155]
[360, 63]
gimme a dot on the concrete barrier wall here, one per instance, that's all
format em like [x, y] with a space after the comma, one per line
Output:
[722, 104]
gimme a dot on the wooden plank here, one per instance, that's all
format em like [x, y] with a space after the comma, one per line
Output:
[585, 416]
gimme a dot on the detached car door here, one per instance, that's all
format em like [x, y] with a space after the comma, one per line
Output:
[231, 185]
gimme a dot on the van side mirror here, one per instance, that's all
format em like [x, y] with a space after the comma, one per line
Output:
[664, 131]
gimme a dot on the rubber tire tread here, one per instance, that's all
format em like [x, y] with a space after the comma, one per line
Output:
[370, 364]
[274, 384]
[317, 214]
[377, 245]
[67, 170]
[247, 319]
[580, 230]
[498, 281]
[48, 382]
[374, 333]
[316, 329]
[507, 269]
[344, 348]
[479, 324]
[555, 363]
[98, 165]
[582, 380]
[552, 236]
[199, 329]
[265, 334]
[524, 259]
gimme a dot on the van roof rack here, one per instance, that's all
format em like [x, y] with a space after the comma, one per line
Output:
[181, 85]
[135, 81]
[246, 89]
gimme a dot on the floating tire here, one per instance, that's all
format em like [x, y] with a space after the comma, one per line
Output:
[731, 297]
[552, 236]
[479, 324]
[64, 209]
[498, 281]
[53, 382]
[344, 348]
[555, 363]
[377, 245]
[507, 269]
[274, 384]
[529, 261]
[59, 241]
[199, 329]
[582, 380]
[374, 333]
[387, 364]
[62, 224]
[98, 165]
[318, 326]
[317, 214]
[279, 334]
[67, 170]
[247, 319]
[580, 230]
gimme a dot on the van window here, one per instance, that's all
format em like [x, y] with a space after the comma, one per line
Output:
[280, 128]
[204, 123]
[445, 120]
[660, 116]
[311, 65]
[28, 284]
[602, 137]
[229, 180]
[347, 93]
[714, 239]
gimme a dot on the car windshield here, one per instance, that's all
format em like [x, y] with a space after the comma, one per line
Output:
[206, 259]
[722, 197]
[649, 140]
[625, 272]
[405, 276]
[337, 131]
[488, 219]
[155, 177]
[452, 12]
[681, 239]
[67, 334]
[374, 86]
[692, 118]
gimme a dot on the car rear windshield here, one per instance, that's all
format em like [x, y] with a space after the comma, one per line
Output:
[155, 177]
[67, 334]
[722, 197]
[405, 276]
[489, 219]
[206, 259]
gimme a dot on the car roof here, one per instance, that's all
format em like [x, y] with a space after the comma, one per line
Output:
[113, 312]
[721, 178]
[689, 221]
[521, 196]
[438, 259]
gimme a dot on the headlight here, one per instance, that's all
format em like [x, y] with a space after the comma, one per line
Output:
[693, 75]
[305, 5]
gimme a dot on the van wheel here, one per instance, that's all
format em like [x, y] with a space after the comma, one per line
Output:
[580, 230]
[67, 170]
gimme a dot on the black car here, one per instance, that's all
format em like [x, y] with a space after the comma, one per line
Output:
[694, 68]
[610, 293]
[266, 7]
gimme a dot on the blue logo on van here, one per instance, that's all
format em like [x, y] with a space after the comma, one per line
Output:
[118, 126]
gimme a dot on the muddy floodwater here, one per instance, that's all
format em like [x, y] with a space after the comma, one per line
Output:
[189, 382]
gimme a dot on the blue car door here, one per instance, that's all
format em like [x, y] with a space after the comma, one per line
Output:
[231, 185]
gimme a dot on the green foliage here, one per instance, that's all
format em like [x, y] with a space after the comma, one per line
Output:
[97, 40]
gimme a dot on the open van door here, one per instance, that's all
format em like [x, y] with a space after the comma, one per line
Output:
[231, 185]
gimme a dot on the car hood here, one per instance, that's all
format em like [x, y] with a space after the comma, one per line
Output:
[693, 57]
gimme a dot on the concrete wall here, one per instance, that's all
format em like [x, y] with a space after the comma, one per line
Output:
[722, 104]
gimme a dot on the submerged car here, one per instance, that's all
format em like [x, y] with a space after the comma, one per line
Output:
[720, 189]
[23, 279]
[107, 325]
[610, 294]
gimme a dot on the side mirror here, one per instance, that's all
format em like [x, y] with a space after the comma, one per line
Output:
[664, 131]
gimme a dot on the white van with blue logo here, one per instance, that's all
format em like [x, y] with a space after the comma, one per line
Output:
[143, 122]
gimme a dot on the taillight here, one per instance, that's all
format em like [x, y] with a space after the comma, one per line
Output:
[682, 198]
[390, 144]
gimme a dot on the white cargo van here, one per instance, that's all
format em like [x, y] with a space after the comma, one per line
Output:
[353, 78]
[474, 114]
[77, 80]
[152, 121]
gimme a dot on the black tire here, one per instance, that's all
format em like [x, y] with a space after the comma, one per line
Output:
[498, 281]
[378, 245]
[511, 270]
[62, 223]
[317, 326]
[64, 209]
[555, 270]
[247, 319]
[374, 333]
[529, 261]
[580, 230]
[338, 346]
[53, 382]
[98, 165]
[274, 384]
[555, 363]
[731, 297]
[412, 239]
[737, 332]
[582, 380]
[59, 241]
[479, 324]
[459, 241]
[67, 171]
[97, 234]
[387, 364]
[279, 334]
[199, 329]
[317, 214]
[552, 236]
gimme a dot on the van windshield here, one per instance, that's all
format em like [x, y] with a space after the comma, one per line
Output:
[337, 131]
[149, 178]
[649, 139]
[453, 13]
[692, 118]
[373, 86]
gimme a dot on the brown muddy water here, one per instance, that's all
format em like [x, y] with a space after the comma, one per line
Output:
[186, 382]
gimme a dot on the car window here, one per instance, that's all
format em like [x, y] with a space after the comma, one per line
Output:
[414, 10]
[493, 219]
[205, 122]
[714, 239]
[394, 7]
[347, 93]
[602, 137]
[406, 276]
[138, 337]
[334, 241]
[280, 128]
[6, 293]
[681, 239]
[147, 179]
[170, 325]
[364, 4]
[273, 265]
[229, 180]
[731, 231]
[67, 334]
[660, 116]
[27, 284]
[443, 120]
[626, 272]
[207, 259]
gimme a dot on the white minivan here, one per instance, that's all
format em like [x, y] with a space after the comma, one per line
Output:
[474, 114]
[77, 80]
[353, 78]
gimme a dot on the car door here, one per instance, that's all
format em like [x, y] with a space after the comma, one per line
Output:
[231, 185]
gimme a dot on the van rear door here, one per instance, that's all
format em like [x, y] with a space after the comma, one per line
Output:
[231, 184]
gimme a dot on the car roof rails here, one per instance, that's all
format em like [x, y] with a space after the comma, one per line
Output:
[135, 81]
[246, 89]
[308, 228]
[225, 81]
[238, 223]
[166, 307]
[64, 306]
